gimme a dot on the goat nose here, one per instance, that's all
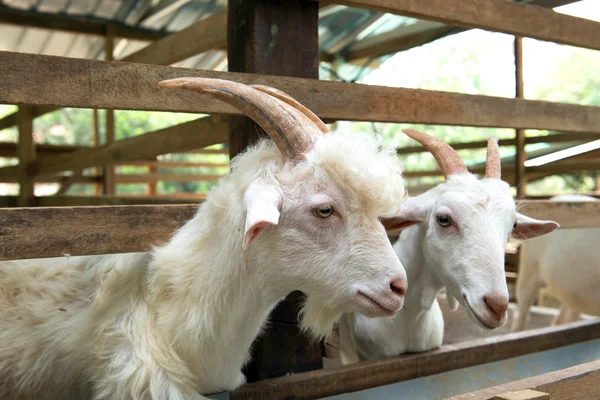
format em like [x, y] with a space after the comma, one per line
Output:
[497, 303]
[398, 286]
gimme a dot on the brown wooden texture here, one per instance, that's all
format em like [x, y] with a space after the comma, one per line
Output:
[369, 374]
[26, 153]
[108, 170]
[9, 149]
[581, 382]
[276, 37]
[78, 201]
[100, 84]
[75, 24]
[189, 135]
[178, 177]
[56, 231]
[175, 164]
[526, 394]
[71, 221]
[495, 15]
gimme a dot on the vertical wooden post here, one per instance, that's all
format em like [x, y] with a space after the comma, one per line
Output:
[152, 170]
[109, 170]
[521, 156]
[95, 143]
[276, 37]
[26, 154]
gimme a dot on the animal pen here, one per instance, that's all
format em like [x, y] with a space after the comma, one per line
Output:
[276, 43]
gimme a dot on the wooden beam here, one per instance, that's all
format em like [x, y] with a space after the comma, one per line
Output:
[91, 84]
[9, 149]
[578, 382]
[201, 36]
[385, 371]
[24, 232]
[149, 178]
[277, 37]
[495, 15]
[26, 153]
[78, 201]
[189, 135]
[75, 24]
[7, 178]
[108, 170]
[521, 156]
[96, 143]
[174, 164]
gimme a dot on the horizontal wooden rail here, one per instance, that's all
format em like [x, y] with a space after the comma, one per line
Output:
[579, 382]
[145, 178]
[369, 374]
[56, 231]
[174, 164]
[101, 84]
[98, 230]
[495, 15]
[78, 201]
[9, 149]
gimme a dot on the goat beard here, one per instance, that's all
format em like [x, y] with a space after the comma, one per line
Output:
[317, 319]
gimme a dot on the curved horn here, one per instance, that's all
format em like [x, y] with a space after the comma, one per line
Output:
[292, 132]
[449, 161]
[493, 165]
[281, 95]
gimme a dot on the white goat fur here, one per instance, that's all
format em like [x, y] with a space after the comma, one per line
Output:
[467, 260]
[179, 321]
[567, 263]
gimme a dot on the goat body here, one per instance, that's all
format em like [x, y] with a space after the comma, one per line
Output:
[567, 263]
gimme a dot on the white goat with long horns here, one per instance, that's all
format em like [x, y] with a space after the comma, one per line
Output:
[453, 237]
[300, 212]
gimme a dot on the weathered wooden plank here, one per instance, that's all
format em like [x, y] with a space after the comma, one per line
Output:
[189, 135]
[495, 15]
[369, 374]
[26, 233]
[99, 84]
[9, 149]
[174, 164]
[575, 383]
[75, 24]
[17, 238]
[179, 177]
[275, 37]
[78, 201]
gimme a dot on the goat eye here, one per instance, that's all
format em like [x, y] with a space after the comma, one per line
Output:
[444, 220]
[514, 225]
[323, 211]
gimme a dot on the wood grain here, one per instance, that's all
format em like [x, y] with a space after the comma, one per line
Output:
[495, 15]
[56, 231]
[370, 374]
[26, 153]
[100, 84]
[580, 382]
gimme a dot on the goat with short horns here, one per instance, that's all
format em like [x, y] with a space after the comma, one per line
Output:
[453, 236]
[300, 212]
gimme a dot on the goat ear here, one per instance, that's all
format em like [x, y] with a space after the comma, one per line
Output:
[527, 228]
[262, 202]
[411, 213]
